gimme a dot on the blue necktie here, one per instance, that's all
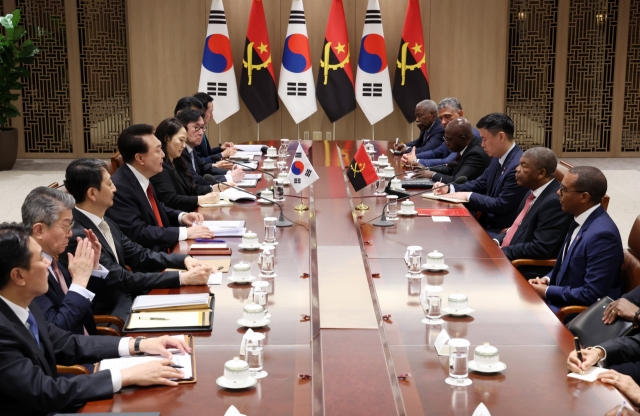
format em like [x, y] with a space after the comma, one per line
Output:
[33, 327]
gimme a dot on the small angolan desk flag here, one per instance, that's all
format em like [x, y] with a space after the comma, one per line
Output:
[361, 171]
[411, 83]
[217, 77]
[301, 173]
[257, 82]
[373, 87]
[296, 89]
[334, 87]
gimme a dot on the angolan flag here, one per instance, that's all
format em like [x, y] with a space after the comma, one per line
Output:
[361, 171]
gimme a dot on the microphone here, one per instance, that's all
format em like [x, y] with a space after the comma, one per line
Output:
[282, 221]
[210, 179]
[251, 168]
[263, 150]
[383, 222]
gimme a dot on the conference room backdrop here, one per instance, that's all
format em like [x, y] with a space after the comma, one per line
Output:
[567, 71]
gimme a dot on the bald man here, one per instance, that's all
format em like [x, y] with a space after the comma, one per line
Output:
[471, 160]
[431, 130]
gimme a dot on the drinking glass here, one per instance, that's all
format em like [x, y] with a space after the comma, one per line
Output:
[282, 163]
[270, 230]
[278, 190]
[380, 184]
[261, 295]
[254, 355]
[414, 286]
[284, 147]
[413, 259]
[458, 360]
[392, 208]
[432, 303]
[266, 261]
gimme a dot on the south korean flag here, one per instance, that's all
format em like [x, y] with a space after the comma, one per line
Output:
[301, 173]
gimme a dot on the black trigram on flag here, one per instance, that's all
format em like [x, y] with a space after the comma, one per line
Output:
[373, 16]
[297, 88]
[298, 155]
[297, 180]
[296, 17]
[307, 173]
[217, 88]
[217, 17]
[371, 90]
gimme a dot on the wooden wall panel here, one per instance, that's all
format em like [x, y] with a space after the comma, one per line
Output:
[165, 68]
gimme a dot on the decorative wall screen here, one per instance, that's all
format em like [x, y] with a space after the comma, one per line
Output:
[48, 114]
[631, 114]
[530, 72]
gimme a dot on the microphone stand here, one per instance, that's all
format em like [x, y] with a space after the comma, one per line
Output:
[282, 221]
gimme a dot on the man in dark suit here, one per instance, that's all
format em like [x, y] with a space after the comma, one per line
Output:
[91, 186]
[541, 226]
[46, 213]
[194, 124]
[207, 153]
[136, 209]
[471, 160]
[589, 262]
[431, 131]
[31, 347]
[495, 193]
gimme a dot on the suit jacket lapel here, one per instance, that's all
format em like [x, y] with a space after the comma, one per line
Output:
[87, 223]
[55, 286]
[140, 193]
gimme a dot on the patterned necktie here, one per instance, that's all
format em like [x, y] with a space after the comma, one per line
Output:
[58, 274]
[193, 161]
[33, 327]
[514, 227]
[154, 205]
[106, 231]
[567, 243]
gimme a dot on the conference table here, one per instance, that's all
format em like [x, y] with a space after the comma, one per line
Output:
[344, 314]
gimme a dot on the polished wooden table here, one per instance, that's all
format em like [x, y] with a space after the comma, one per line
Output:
[352, 354]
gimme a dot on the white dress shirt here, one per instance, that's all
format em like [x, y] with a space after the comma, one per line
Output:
[123, 346]
[227, 176]
[101, 273]
[144, 183]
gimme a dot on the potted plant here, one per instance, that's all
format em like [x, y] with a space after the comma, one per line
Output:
[15, 51]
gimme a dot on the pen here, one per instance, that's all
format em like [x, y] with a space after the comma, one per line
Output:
[208, 240]
[622, 406]
[576, 342]
[146, 318]
[175, 366]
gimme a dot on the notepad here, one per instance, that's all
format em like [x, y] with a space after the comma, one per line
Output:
[224, 224]
[222, 203]
[443, 198]
[179, 319]
[590, 375]
[256, 176]
[247, 183]
[208, 245]
[180, 301]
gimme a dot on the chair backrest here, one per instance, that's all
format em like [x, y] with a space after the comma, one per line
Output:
[116, 162]
[631, 265]
[563, 167]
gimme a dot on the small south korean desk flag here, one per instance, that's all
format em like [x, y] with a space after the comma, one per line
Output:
[296, 88]
[217, 77]
[373, 87]
[301, 173]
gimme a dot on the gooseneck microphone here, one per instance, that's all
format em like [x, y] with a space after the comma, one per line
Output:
[384, 222]
[250, 167]
[282, 221]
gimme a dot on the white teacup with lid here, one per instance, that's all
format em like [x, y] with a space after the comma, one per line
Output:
[396, 183]
[268, 196]
[236, 369]
[250, 239]
[383, 160]
[253, 313]
[284, 178]
[241, 272]
[458, 302]
[389, 172]
[269, 163]
[435, 261]
[272, 151]
[486, 359]
[408, 207]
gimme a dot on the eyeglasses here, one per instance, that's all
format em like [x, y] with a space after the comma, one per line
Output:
[197, 128]
[67, 228]
[562, 190]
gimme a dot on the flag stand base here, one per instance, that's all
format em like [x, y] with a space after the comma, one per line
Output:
[362, 207]
[301, 207]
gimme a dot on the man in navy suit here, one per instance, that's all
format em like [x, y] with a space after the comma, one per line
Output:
[31, 347]
[495, 193]
[46, 213]
[589, 262]
[431, 131]
[136, 209]
[541, 226]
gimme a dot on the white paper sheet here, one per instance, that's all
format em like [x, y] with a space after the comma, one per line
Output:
[247, 183]
[256, 176]
[249, 147]
[436, 218]
[166, 301]
[183, 360]
[481, 410]
[589, 375]
[209, 245]
[215, 278]
[224, 224]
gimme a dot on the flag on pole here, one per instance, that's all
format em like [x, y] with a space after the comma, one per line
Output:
[301, 173]
[361, 171]
[217, 77]
[373, 87]
[411, 83]
[257, 82]
[296, 89]
[334, 87]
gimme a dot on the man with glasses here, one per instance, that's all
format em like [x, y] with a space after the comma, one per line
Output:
[589, 262]
[194, 124]
[47, 214]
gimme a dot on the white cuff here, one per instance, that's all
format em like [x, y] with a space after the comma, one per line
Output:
[547, 279]
[116, 380]
[452, 188]
[123, 347]
[180, 218]
[81, 291]
[182, 234]
[469, 197]
[228, 177]
[601, 361]
[102, 272]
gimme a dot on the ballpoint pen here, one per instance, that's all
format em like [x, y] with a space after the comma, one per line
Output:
[622, 406]
[175, 366]
[208, 240]
[147, 318]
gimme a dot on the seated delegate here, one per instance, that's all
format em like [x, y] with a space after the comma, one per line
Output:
[30, 347]
[174, 186]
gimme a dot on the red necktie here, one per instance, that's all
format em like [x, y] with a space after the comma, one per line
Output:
[512, 230]
[154, 205]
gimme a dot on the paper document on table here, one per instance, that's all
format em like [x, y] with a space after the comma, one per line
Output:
[219, 265]
[233, 194]
[242, 156]
[248, 165]
[223, 224]
[481, 410]
[437, 218]
[249, 147]
[589, 375]
[443, 198]
[146, 302]
[178, 319]
[256, 176]
[222, 203]
[208, 245]
[229, 232]
[441, 343]
[183, 360]
[215, 279]
[247, 183]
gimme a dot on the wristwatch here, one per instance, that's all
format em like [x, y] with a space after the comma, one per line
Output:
[136, 346]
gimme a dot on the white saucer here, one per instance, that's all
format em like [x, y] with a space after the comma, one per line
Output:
[241, 282]
[249, 246]
[233, 384]
[285, 181]
[435, 268]
[261, 374]
[496, 368]
[414, 212]
[266, 168]
[253, 324]
[264, 276]
[447, 311]
[458, 382]
[264, 201]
